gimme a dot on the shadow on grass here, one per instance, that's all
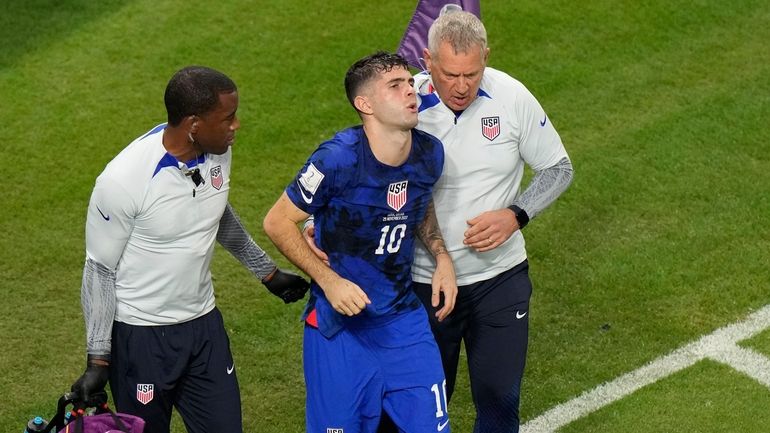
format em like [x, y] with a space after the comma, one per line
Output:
[28, 25]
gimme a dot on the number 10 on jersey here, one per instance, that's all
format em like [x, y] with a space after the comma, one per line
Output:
[392, 238]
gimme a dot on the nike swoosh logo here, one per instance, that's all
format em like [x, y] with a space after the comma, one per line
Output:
[106, 217]
[307, 199]
[542, 122]
[230, 369]
[519, 316]
[442, 426]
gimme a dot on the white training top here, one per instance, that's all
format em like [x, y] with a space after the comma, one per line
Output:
[486, 148]
[149, 222]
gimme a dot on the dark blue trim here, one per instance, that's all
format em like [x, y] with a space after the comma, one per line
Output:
[194, 162]
[429, 100]
[166, 161]
[155, 130]
[483, 93]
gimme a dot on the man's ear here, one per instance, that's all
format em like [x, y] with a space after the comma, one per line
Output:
[363, 105]
[426, 57]
[192, 123]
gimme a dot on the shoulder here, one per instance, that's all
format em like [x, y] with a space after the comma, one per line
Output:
[135, 165]
[427, 141]
[429, 151]
[420, 80]
[342, 149]
[496, 81]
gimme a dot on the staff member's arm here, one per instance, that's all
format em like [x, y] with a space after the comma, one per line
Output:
[109, 223]
[235, 239]
[541, 148]
[280, 225]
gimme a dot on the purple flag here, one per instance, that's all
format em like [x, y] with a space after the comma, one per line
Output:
[416, 36]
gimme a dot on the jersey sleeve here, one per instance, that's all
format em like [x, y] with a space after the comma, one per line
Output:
[539, 143]
[109, 222]
[316, 182]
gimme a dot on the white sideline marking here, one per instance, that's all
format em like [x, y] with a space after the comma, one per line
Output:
[719, 346]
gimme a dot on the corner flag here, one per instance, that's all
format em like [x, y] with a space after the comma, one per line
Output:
[416, 36]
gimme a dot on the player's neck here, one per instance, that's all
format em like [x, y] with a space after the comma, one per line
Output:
[389, 146]
[178, 144]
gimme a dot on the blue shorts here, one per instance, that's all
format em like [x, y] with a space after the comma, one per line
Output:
[359, 372]
[187, 365]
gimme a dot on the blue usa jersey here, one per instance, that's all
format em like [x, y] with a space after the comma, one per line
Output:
[366, 218]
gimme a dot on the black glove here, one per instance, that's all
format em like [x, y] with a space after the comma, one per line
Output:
[286, 285]
[93, 381]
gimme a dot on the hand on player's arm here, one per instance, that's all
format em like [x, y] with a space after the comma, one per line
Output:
[308, 232]
[280, 225]
[490, 229]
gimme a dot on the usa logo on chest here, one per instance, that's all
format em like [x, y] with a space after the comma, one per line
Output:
[490, 127]
[397, 195]
[216, 177]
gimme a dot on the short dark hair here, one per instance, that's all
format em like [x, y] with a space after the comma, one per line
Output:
[367, 68]
[194, 90]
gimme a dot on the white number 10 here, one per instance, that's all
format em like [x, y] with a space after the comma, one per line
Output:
[439, 394]
[398, 233]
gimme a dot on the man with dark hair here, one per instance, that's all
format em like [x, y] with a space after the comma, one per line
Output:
[152, 325]
[367, 342]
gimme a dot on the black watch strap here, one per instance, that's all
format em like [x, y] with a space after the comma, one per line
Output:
[521, 216]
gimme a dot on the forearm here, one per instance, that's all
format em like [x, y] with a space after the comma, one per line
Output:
[288, 239]
[280, 225]
[430, 233]
[99, 302]
[546, 186]
[232, 235]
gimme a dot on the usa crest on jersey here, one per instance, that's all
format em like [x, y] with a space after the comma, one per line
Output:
[397, 194]
[216, 177]
[145, 392]
[490, 127]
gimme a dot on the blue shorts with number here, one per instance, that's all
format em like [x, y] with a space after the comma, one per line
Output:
[358, 373]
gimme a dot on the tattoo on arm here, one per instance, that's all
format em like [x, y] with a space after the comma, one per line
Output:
[429, 233]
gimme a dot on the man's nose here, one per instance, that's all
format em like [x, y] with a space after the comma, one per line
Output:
[462, 85]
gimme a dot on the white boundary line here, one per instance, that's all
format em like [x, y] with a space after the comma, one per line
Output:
[719, 346]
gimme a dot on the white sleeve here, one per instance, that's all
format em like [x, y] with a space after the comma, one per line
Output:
[539, 143]
[109, 222]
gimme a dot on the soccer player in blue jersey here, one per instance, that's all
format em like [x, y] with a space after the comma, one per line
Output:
[152, 325]
[491, 127]
[367, 343]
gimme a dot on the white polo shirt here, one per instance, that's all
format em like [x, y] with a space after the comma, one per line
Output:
[149, 222]
[486, 148]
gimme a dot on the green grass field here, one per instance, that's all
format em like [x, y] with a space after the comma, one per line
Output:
[662, 238]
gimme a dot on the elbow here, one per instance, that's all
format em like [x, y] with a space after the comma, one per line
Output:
[269, 224]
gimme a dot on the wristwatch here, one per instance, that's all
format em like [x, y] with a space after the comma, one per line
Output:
[521, 215]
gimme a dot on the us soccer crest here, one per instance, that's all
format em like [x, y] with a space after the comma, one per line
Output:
[397, 195]
[216, 177]
[145, 392]
[490, 127]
